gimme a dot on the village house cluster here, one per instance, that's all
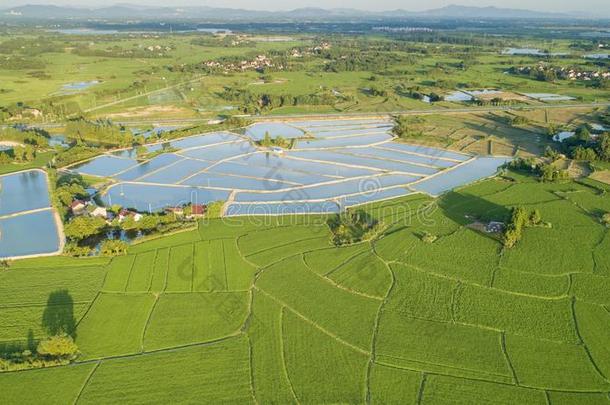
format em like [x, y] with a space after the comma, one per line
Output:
[259, 63]
[158, 48]
[299, 53]
[562, 72]
[81, 207]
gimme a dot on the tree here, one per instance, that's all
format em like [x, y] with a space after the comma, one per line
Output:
[266, 140]
[582, 153]
[603, 146]
[582, 134]
[435, 97]
[113, 248]
[606, 219]
[83, 227]
[549, 173]
[518, 220]
[59, 346]
[535, 217]
[148, 223]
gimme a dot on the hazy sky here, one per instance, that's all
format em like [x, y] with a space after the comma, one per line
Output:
[589, 6]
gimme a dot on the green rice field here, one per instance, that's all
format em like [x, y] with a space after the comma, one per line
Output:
[268, 310]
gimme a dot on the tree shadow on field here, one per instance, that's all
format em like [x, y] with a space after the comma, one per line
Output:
[464, 208]
[58, 315]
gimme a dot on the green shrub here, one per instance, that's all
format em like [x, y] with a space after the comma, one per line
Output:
[113, 248]
[59, 347]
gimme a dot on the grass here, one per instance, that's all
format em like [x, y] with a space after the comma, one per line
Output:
[39, 161]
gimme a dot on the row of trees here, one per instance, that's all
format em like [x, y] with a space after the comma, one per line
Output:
[19, 154]
[34, 137]
[102, 132]
[583, 147]
[520, 219]
[85, 233]
[546, 172]
[251, 102]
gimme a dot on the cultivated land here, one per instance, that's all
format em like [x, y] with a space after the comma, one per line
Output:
[267, 310]
[351, 125]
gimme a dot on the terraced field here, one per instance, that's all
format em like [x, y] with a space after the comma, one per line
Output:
[333, 164]
[267, 310]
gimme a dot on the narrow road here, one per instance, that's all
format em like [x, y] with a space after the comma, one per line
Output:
[460, 110]
[148, 93]
[383, 114]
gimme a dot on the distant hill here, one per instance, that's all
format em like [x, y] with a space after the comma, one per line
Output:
[455, 11]
[128, 11]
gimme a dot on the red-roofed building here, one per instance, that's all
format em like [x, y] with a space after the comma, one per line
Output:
[78, 207]
[198, 210]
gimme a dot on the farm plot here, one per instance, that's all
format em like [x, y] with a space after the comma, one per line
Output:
[418, 294]
[21, 286]
[451, 390]
[269, 371]
[284, 242]
[207, 167]
[390, 385]
[591, 288]
[25, 205]
[594, 327]
[187, 318]
[424, 345]
[550, 250]
[211, 265]
[331, 373]
[181, 238]
[349, 316]
[326, 261]
[114, 325]
[20, 323]
[365, 274]
[544, 364]
[217, 372]
[464, 254]
[31, 295]
[42, 385]
[519, 314]
[531, 283]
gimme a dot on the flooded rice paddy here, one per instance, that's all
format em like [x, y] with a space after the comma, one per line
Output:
[27, 223]
[333, 164]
